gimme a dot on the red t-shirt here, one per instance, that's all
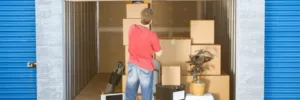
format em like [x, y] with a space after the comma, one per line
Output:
[142, 44]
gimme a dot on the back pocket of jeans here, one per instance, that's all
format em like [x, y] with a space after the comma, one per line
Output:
[144, 73]
[130, 68]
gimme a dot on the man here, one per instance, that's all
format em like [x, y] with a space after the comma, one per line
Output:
[142, 43]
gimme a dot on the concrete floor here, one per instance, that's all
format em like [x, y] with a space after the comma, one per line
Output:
[95, 87]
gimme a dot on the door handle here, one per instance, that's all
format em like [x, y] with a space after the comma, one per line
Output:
[31, 64]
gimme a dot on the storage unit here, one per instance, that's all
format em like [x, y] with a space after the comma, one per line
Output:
[171, 23]
[17, 49]
[282, 50]
[17, 23]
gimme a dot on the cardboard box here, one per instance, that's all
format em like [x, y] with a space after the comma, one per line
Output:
[175, 52]
[170, 75]
[124, 78]
[127, 23]
[134, 10]
[126, 59]
[214, 64]
[202, 31]
[217, 85]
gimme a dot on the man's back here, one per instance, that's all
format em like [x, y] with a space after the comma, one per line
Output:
[142, 44]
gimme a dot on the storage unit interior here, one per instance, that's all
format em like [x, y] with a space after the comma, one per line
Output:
[94, 37]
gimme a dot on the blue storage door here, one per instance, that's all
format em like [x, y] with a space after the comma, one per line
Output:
[282, 50]
[17, 47]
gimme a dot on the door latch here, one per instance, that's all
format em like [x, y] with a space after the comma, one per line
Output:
[31, 64]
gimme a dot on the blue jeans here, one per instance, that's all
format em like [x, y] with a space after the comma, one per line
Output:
[138, 76]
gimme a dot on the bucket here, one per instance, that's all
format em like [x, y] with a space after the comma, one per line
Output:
[198, 88]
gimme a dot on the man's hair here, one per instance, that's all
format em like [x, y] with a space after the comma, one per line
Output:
[146, 16]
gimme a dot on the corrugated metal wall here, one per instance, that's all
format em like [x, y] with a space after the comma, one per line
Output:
[17, 47]
[81, 42]
[282, 50]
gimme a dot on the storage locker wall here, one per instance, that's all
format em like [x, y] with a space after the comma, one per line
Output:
[81, 45]
[17, 47]
[282, 50]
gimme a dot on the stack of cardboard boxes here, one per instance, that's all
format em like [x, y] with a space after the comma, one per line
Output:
[217, 82]
[176, 51]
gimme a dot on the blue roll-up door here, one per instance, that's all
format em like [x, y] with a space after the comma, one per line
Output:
[17, 47]
[282, 50]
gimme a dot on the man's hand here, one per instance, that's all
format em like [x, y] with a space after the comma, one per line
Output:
[158, 53]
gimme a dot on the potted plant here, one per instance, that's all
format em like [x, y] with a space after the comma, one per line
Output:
[197, 62]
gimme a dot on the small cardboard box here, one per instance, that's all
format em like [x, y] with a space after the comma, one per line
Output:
[134, 10]
[218, 85]
[170, 75]
[202, 31]
[127, 23]
[174, 52]
[214, 65]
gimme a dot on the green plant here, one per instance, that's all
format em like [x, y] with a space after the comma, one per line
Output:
[197, 62]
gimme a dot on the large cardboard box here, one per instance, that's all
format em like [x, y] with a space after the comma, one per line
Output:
[170, 75]
[175, 51]
[214, 65]
[126, 59]
[134, 10]
[124, 78]
[202, 31]
[127, 23]
[218, 85]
